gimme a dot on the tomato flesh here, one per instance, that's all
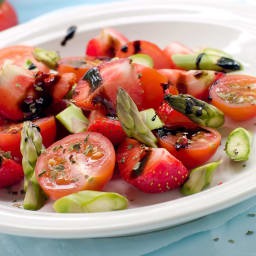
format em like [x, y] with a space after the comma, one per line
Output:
[83, 161]
[192, 145]
[10, 135]
[235, 95]
[77, 65]
[148, 48]
[8, 17]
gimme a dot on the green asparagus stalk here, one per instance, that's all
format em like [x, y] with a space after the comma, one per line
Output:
[199, 178]
[90, 201]
[49, 58]
[31, 147]
[196, 110]
[205, 61]
[216, 52]
[131, 120]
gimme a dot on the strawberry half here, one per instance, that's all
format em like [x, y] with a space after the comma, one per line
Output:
[108, 126]
[151, 170]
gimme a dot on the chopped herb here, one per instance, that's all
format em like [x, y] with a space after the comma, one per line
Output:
[18, 85]
[57, 148]
[64, 150]
[215, 239]
[88, 149]
[77, 146]
[59, 167]
[86, 139]
[42, 173]
[251, 215]
[75, 179]
[130, 146]
[135, 157]
[71, 159]
[231, 241]
[53, 175]
[249, 232]
[7, 154]
[123, 160]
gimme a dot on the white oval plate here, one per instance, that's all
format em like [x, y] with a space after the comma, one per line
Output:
[162, 22]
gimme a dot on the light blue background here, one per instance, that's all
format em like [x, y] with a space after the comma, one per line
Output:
[191, 239]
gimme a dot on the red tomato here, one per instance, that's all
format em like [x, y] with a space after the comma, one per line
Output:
[19, 54]
[153, 84]
[83, 161]
[11, 172]
[15, 84]
[192, 145]
[10, 135]
[77, 65]
[235, 95]
[107, 126]
[106, 44]
[151, 170]
[145, 47]
[8, 17]
[171, 117]
[176, 48]
[109, 76]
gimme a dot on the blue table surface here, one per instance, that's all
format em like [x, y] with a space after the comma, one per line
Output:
[230, 227]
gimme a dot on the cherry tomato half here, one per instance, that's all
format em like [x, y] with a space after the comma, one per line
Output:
[235, 95]
[10, 135]
[77, 162]
[8, 17]
[192, 145]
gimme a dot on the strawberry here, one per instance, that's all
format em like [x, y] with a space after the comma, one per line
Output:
[109, 127]
[151, 170]
[10, 172]
[171, 117]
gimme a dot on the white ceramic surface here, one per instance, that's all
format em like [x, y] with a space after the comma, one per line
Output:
[193, 24]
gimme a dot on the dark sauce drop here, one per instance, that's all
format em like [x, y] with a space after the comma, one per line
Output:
[93, 77]
[136, 45]
[228, 63]
[198, 60]
[32, 66]
[124, 48]
[154, 118]
[70, 34]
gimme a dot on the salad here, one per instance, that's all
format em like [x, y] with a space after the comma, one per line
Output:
[126, 109]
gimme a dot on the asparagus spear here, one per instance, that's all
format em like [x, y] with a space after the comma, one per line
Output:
[90, 201]
[31, 147]
[199, 178]
[206, 61]
[198, 111]
[49, 58]
[131, 120]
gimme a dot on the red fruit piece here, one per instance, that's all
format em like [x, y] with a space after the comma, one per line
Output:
[109, 127]
[106, 44]
[151, 170]
[98, 89]
[11, 172]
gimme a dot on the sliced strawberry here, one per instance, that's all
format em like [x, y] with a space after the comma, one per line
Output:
[171, 117]
[11, 172]
[108, 126]
[106, 44]
[99, 86]
[151, 170]
[176, 48]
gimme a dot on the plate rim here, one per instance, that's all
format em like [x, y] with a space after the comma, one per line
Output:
[134, 226]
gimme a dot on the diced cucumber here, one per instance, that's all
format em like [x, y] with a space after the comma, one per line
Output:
[199, 178]
[142, 59]
[90, 201]
[73, 119]
[238, 144]
[49, 58]
[151, 119]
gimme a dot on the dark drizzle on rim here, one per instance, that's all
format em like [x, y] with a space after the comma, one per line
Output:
[70, 34]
